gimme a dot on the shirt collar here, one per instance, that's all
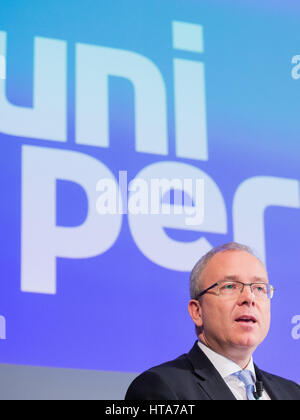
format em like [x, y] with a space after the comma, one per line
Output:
[224, 366]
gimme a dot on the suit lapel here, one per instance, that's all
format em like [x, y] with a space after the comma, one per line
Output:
[208, 377]
[270, 386]
[213, 384]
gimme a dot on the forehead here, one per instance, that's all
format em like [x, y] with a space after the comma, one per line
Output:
[239, 264]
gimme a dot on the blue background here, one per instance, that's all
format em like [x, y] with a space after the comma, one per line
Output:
[119, 311]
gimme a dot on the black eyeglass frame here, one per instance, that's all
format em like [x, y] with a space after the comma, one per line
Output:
[272, 289]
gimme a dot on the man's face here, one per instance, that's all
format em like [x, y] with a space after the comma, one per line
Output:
[220, 314]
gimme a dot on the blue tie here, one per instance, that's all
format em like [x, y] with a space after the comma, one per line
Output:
[246, 377]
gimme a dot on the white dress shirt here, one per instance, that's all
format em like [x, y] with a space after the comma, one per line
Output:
[226, 368]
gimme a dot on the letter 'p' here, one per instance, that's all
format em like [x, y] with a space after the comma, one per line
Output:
[42, 240]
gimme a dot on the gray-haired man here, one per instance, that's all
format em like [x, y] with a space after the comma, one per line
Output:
[231, 308]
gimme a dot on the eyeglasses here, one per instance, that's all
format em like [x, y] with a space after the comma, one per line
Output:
[233, 288]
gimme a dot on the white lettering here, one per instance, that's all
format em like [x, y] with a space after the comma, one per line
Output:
[149, 231]
[2, 328]
[118, 410]
[47, 119]
[2, 67]
[296, 69]
[251, 200]
[94, 65]
[107, 203]
[296, 328]
[190, 110]
[189, 92]
[139, 198]
[42, 240]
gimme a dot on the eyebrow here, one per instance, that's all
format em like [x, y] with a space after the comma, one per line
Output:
[255, 278]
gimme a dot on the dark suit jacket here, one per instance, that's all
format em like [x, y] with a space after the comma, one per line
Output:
[193, 377]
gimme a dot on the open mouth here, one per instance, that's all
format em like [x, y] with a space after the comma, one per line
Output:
[246, 319]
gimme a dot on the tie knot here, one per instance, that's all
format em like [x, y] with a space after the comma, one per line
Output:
[245, 376]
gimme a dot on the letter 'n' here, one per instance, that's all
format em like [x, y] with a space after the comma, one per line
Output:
[94, 65]
[47, 119]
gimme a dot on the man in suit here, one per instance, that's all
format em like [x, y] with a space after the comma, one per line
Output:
[230, 306]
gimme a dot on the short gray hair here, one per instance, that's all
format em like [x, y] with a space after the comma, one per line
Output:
[195, 278]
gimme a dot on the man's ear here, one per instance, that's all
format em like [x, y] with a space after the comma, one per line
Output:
[195, 312]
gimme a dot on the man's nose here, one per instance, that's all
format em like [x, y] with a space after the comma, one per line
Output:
[247, 296]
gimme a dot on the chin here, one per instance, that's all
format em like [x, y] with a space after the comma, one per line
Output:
[247, 340]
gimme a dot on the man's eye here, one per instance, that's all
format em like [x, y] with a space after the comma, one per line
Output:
[261, 289]
[229, 286]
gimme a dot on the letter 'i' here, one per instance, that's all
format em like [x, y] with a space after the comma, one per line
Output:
[2, 67]
[189, 92]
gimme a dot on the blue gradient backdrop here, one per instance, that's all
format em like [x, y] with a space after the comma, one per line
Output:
[119, 311]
